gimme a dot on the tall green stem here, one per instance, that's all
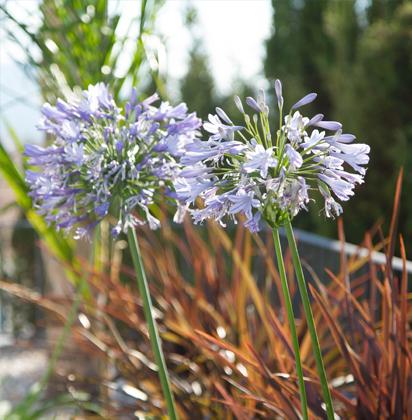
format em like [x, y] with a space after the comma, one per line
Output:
[309, 318]
[151, 323]
[291, 319]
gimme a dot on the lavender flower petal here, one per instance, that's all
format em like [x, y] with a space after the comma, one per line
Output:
[278, 90]
[329, 125]
[253, 104]
[310, 97]
[103, 154]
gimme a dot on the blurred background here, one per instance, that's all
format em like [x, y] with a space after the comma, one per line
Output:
[356, 54]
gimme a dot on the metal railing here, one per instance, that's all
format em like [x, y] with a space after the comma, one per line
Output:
[330, 249]
[317, 251]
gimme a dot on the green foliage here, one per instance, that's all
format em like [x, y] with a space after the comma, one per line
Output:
[197, 88]
[85, 42]
[67, 39]
[382, 93]
[360, 63]
[60, 247]
[298, 50]
[34, 408]
[199, 92]
[77, 43]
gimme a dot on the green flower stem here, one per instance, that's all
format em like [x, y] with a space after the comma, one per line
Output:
[153, 332]
[291, 319]
[309, 318]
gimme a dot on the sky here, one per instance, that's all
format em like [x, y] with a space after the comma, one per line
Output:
[232, 32]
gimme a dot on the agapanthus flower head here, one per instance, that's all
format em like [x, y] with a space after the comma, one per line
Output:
[107, 160]
[267, 173]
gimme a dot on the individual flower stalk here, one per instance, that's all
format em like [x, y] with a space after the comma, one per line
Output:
[267, 175]
[114, 163]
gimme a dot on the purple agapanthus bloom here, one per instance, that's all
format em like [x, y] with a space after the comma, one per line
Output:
[265, 175]
[106, 160]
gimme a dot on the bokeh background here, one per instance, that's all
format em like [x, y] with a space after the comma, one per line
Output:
[356, 54]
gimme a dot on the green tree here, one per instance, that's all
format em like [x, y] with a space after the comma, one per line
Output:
[299, 50]
[359, 61]
[197, 87]
[382, 112]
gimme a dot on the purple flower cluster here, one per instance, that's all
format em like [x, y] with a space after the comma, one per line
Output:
[245, 170]
[105, 159]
